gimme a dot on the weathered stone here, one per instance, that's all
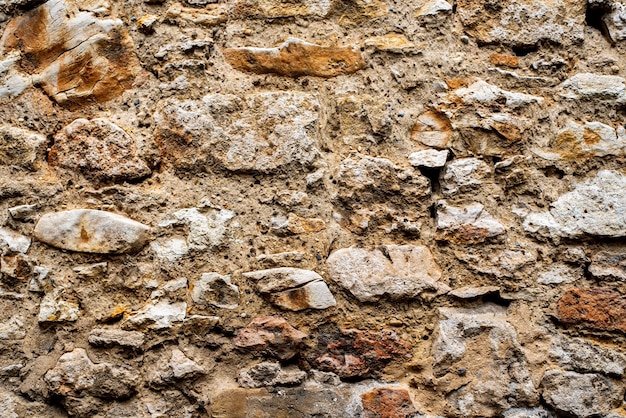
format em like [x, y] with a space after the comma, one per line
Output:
[615, 22]
[205, 227]
[24, 213]
[261, 132]
[81, 58]
[295, 225]
[211, 15]
[295, 58]
[589, 86]
[293, 289]
[91, 271]
[157, 315]
[482, 343]
[539, 412]
[432, 129]
[434, 7]
[272, 335]
[504, 60]
[270, 374]
[76, 375]
[364, 119]
[98, 149]
[463, 175]
[580, 395]
[523, 23]
[391, 42]
[13, 242]
[19, 147]
[474, 292]
[584, 357]
[177, 367]
[91, 231]
[429, 158]
[216, 290]
[388, 403]
[277, 8]
[15, 268]
[13, 329]
[608, 265]
[591, 139]
[559, 273]
[352, 353]
[479, 92]
[466, 224]
[54, 309]
[396, 271]
[108, 337]
[596, 206]
[600, 309]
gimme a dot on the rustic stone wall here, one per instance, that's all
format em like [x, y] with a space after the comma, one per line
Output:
[312, 208]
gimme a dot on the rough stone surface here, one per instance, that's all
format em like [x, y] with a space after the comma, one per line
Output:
[293, 289]
[388, 403]
[270, 334]
[75, 55]
[104, 337]
[270, 374]
[584, 357]
[466, 224]
[20, 147]
[91, 231]
[581, 395]
[98, 149]
[594, 308]
[217, 290]
[399, 272]
[296, 58]
[608, 265]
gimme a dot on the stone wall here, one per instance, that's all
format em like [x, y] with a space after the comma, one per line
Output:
[312, 208]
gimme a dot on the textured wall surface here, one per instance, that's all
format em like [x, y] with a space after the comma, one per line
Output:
[312, 208]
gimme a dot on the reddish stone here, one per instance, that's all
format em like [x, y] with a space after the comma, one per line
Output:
[594, 308]
[271, 334]
[388, 403]
[352, 353]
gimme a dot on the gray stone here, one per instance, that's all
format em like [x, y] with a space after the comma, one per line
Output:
[14, 242]
[596, 207]
[108, 337]
[608, 265]
[91, 271]
[473, 292]
[580, 395]
[481, 342]
[615, 21]
[91, 231]
[177, 367]
[539, 412]
[216, 290]
[589, 86]
[293, 289]
[19, 147]
[582, 356]
[396, 271]
[560, 273]
[466, 224]
[76, 375]
[24, 213]
[270, 374]
[205, 227]
[463, 175]
[13, 329]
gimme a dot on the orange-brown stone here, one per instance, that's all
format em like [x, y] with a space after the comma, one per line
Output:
[600, 309]
[73, 54]
[296, 58]
[388, 403]
[504, 60]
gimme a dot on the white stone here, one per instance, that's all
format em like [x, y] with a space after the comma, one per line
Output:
[430, 158]
[182, 366]
[594, 86]
[217, 290]
[159, 315]
[559, 273]
[471, 223]
[91, 231]
[54, 309]
[615, 21]
[13, 329]
[396, 271]
[433, 7]
[107, 337]
[596, 207]
[464, 174]
[13, 241]
[482, 93]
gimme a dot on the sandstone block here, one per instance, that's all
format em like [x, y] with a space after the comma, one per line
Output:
[388, 403]
[296, 58]
[466, 224]
[601, 309]
[432, 129]
[270, 374]
[272, 335]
